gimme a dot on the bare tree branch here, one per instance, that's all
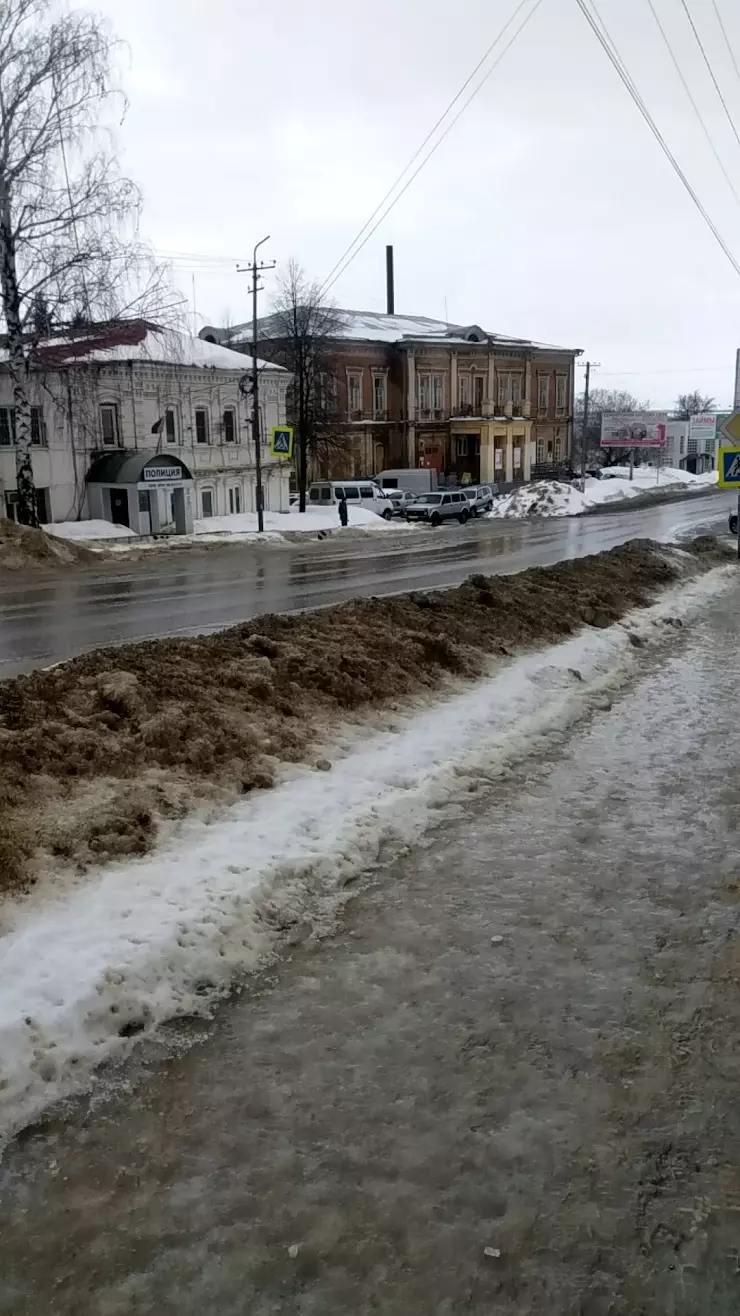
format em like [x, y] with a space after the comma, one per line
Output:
[299, 335]
[68, 220]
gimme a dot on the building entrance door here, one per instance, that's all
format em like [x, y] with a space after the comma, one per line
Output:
[119, 507]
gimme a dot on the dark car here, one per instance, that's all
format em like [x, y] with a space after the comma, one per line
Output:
[733, 523]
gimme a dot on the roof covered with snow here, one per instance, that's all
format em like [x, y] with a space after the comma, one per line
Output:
[378, 327]
[138, 340]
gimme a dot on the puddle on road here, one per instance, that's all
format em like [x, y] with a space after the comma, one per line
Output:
[524, 1039]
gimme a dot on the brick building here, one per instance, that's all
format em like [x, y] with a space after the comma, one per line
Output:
[418, 392]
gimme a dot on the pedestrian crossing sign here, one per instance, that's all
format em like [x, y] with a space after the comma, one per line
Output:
[281, 442]
[729, 468]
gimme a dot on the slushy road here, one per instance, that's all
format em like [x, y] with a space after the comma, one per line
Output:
[45, 618]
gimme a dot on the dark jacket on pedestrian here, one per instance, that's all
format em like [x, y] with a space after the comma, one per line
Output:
[343, 515]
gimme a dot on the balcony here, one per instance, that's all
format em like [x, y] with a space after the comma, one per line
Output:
[431, 413]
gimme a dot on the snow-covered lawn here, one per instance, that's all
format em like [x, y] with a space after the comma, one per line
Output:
[242, 527]
[555, 498]
[89, 961]
[88, 530]
[308, 522]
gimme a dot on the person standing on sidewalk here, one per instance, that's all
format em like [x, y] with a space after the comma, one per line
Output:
[343, 514]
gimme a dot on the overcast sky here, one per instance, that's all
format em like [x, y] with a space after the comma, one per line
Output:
[549, 212]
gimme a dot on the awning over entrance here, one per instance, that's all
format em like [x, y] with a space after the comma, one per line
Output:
[137, 468]
[149, 492]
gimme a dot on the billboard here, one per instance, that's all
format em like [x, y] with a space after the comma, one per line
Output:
[634, 429]
[703, 432]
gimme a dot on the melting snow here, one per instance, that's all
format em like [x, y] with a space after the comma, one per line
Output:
[89, 961]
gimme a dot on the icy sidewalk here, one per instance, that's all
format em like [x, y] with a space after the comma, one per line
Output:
[86, 967]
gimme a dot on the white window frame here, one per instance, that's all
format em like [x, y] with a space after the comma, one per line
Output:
[201, 411]
[438, 393]
[230, 411]
[172, 411]
[110, 408]
[8, 426]
[424, 392]
[463, 390]
[380, 390]
[543, 385]
[517, 388]
[212, 495]
[354, 391]
[561, 384]
[235, 496]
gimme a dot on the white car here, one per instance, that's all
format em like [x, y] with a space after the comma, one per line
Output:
[480, 498]
[357, 493]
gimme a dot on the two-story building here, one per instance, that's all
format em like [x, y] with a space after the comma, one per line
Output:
[412, 391]
[135, 388]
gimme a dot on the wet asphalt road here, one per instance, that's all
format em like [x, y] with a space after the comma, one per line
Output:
[45, 618]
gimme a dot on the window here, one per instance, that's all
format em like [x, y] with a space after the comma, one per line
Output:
[423, 392]
[462, 445]
[380, 403]
[516, 389]
[541, 450]
[558, 445]
[463, 390]
[235, 500]
[367, 491]
[109, 424]
[7, 427]
[38, 427]
[201, 425]
[478, 386]
[313, 495]
[354, 389]
[170, 425]
[351, 492]
[325, 493]
[437, 392]
[229, 424]
[543, 395]
[206, 502]
[560, 392]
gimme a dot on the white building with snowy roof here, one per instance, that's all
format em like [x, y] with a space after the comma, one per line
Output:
[170, 401]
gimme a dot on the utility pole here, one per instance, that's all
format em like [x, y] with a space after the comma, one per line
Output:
[255, 270]
[590, 365]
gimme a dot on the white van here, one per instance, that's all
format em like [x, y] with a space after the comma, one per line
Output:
[358, 493]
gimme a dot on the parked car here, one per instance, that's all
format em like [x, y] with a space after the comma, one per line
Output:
[434, 508]
[400, 499]
[733, 523]
[480, 498]
[358, 493]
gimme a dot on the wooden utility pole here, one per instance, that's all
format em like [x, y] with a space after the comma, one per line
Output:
[584, 431]
[255, 270]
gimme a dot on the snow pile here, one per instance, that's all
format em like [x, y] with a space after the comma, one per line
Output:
[541, 498]
[311, 521]
[88, 530]
[91, 962]
[555, 498]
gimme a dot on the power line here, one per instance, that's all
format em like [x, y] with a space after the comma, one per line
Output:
[717, 87]
[696, 109]
[672, 370]
[611, 51]
[727, 39]
[329, 283]
[428, 138]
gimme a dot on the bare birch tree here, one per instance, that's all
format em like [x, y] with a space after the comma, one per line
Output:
[300, 334]
[68, 221]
